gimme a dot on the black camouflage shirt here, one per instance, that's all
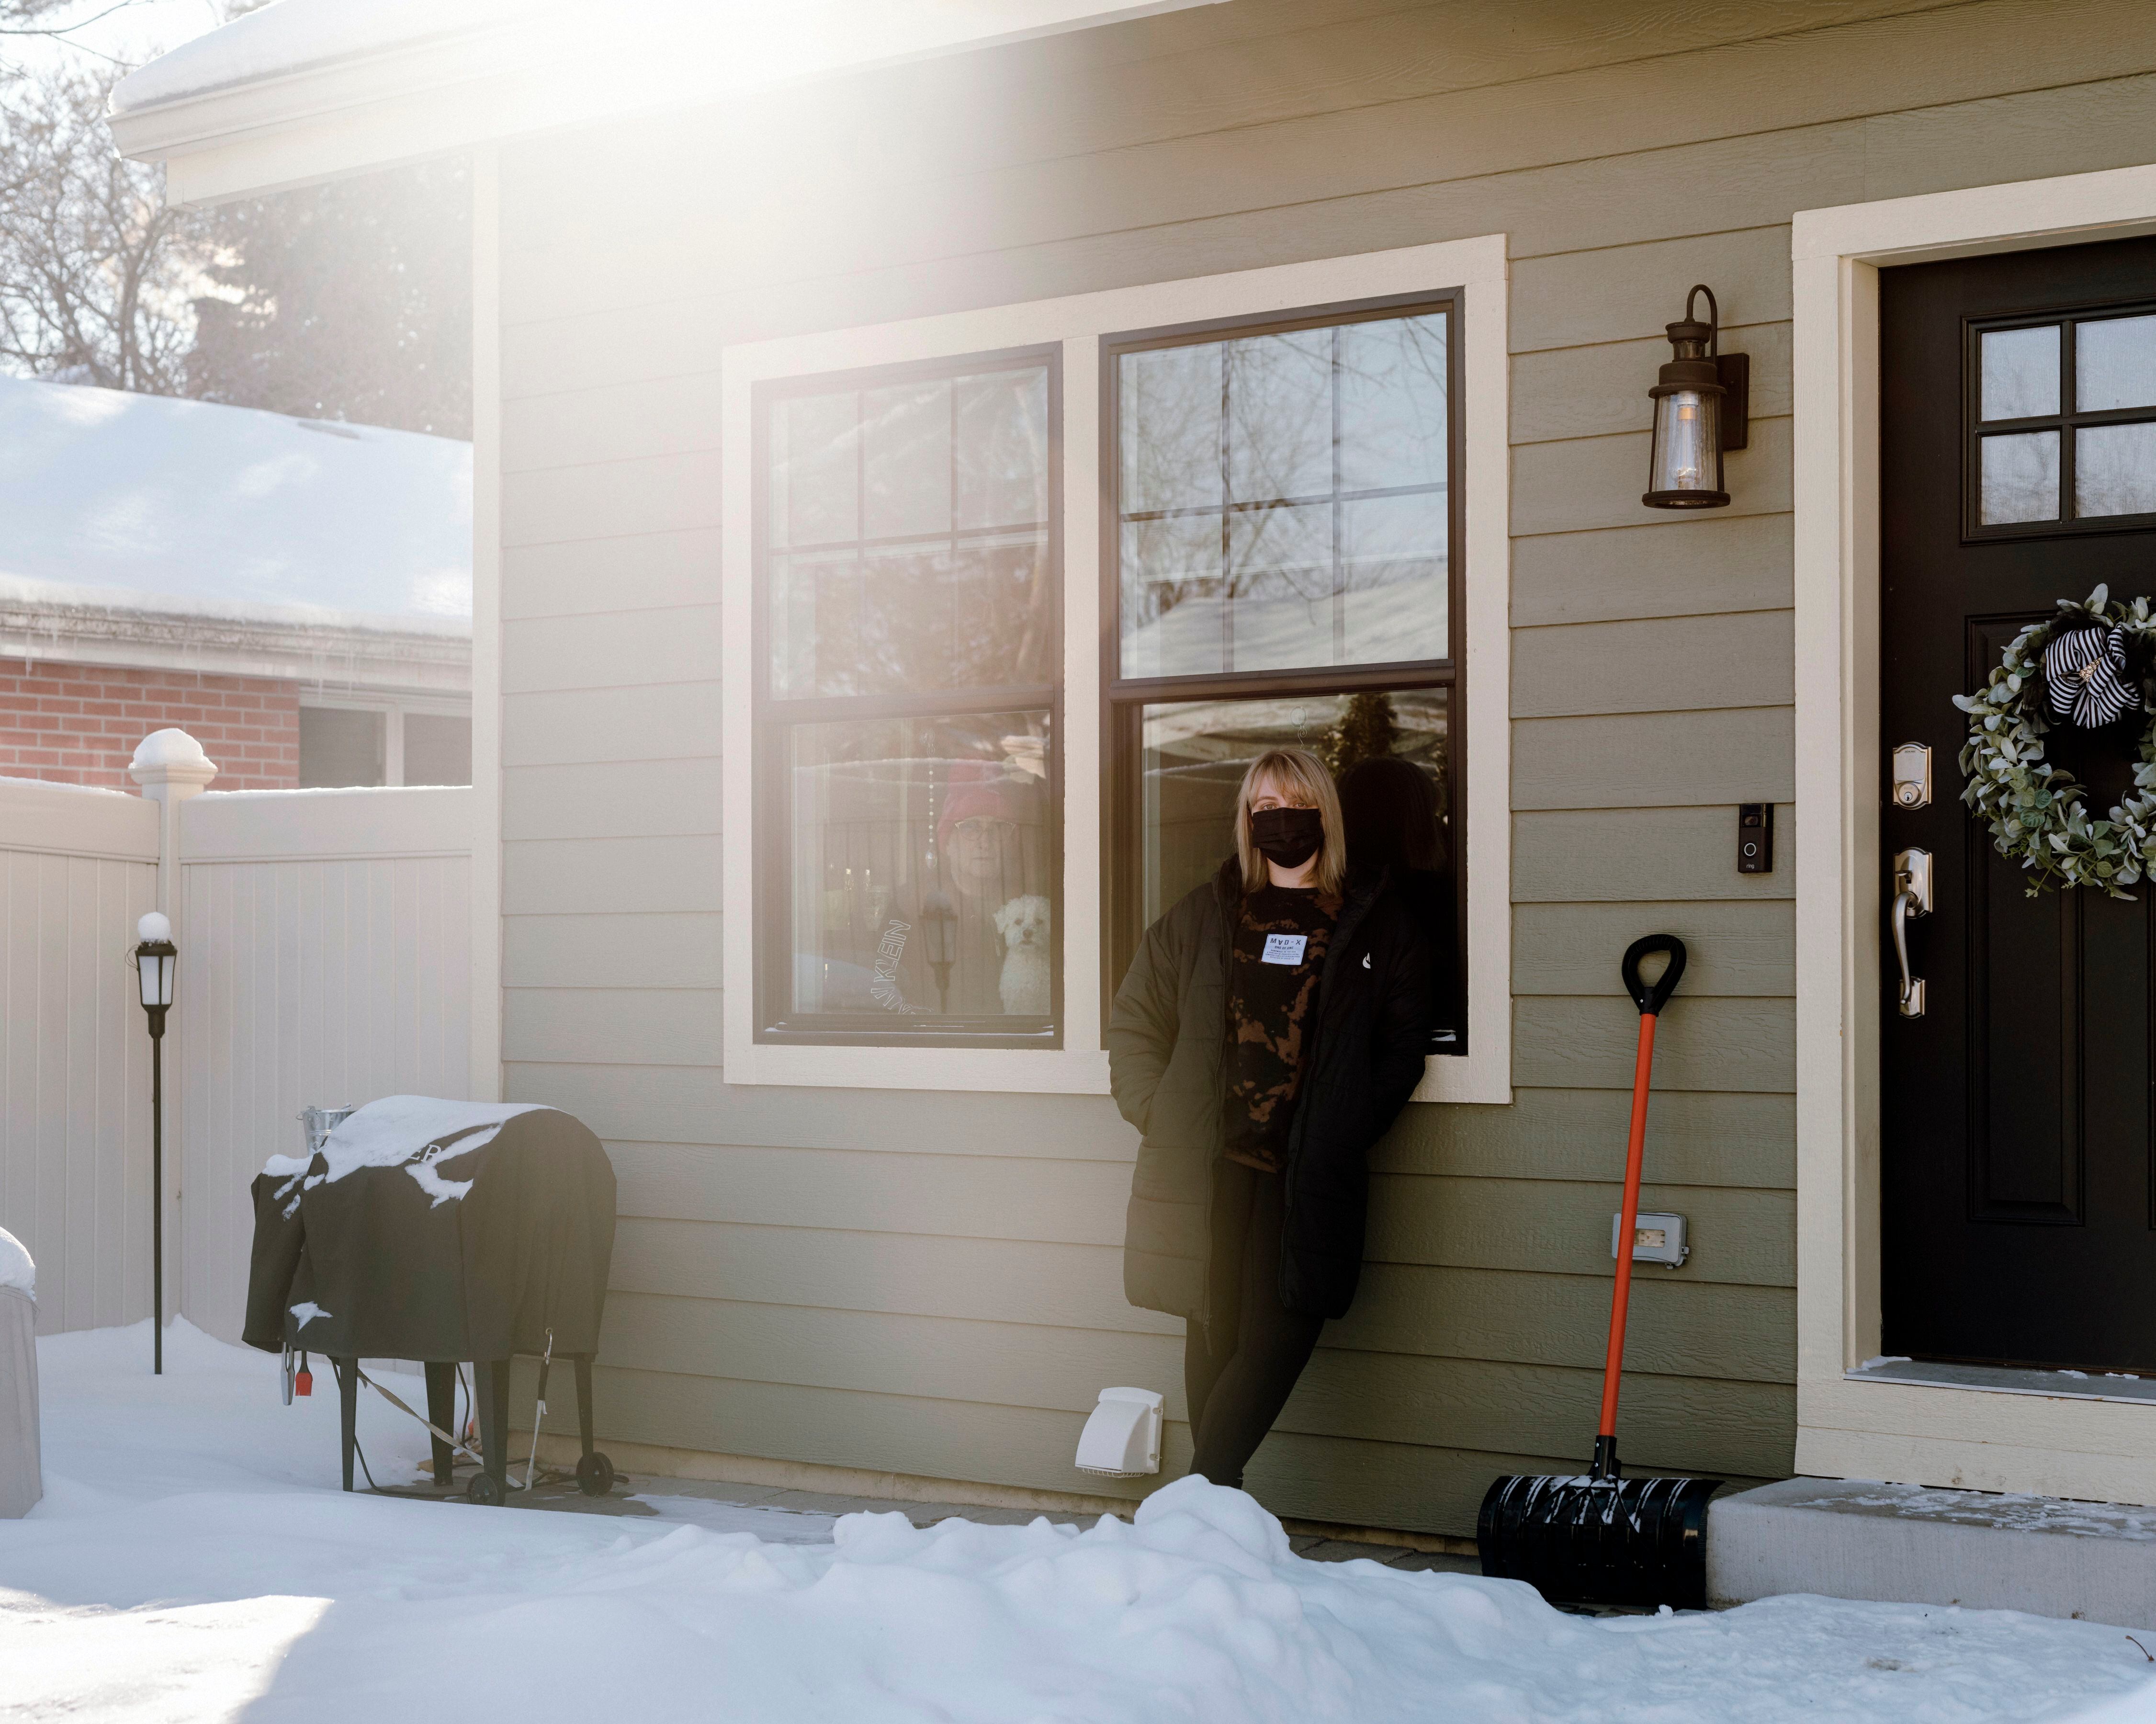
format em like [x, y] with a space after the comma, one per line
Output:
[1269, 1010]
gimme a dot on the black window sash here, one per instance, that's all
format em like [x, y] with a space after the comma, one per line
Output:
[773, 719]
[1123, 699]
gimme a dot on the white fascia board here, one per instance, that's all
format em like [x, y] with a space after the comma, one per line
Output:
[447, 94]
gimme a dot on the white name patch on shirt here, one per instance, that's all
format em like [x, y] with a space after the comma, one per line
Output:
[1285, 948]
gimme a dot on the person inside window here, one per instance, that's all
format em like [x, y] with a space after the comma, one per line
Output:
[1390, 809]
[1269, 1030]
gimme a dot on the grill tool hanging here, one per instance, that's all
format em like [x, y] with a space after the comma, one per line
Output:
[1603, 1538]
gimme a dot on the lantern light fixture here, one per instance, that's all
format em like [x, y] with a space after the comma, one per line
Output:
[1702, 408]
[155, 958]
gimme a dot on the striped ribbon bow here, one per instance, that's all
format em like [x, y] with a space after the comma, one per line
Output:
[2085, 677]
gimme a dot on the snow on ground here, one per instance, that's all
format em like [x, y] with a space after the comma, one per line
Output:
[193, 1560]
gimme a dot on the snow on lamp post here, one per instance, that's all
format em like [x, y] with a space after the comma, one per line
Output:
[156, 958]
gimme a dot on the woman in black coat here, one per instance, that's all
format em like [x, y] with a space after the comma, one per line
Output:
[1269, 1030]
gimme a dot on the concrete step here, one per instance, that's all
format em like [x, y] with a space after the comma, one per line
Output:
[1914, 1544]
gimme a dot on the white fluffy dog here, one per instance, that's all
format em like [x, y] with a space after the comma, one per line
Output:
[1022, 922]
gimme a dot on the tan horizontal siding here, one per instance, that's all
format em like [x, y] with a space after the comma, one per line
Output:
[1732, 947]
[930, 1283]
[1606, 855]
[1655, 569]
[1701, 1137]
[1744, 658]
[633, 571]
[1700, 1044]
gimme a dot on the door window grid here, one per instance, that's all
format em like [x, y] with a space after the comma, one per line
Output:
[2060, 423]
[1217, 711]
[909, 773]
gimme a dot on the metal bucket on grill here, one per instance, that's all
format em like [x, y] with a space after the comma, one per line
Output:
[317, 1123]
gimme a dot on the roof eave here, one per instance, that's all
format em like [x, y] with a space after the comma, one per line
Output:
[445, 93]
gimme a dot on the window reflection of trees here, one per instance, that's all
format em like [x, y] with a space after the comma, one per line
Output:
[910, 539]
[1268, 481]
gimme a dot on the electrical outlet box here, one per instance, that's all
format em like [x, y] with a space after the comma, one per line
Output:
[1655, 1239]
[1755, 837]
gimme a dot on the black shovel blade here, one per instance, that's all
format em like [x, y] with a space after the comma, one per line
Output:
[1599, 1542]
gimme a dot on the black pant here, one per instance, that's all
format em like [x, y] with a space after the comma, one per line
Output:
[1238, 1370]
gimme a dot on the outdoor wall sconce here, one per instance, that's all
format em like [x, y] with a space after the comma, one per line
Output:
[1703, 407]
[155, 961]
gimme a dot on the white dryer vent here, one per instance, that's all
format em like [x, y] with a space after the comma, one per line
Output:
[1121, 1437]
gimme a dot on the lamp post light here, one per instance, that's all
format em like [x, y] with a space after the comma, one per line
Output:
[1701, 408]
[156, 959]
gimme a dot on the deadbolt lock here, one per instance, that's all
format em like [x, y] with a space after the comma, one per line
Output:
[1912, 775]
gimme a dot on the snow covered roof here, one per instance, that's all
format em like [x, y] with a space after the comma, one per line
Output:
[132, 503]
[308, 90]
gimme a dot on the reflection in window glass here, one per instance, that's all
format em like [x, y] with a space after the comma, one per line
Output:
[2018, 478]
[2115, 366]
[921, 867]
[1193, 755]
[2021, 373]
[2115, 470]
[1283, 499]
[907, 536]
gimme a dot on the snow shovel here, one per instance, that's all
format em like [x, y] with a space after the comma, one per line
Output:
[1605, 1538]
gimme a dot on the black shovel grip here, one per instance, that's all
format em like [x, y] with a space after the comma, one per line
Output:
[1651, 996]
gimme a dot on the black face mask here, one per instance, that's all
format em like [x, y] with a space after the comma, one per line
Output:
[1287, 835]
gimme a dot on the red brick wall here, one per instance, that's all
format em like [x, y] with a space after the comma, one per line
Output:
[79, 723]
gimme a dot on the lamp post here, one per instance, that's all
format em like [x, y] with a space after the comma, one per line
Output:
[156, 958]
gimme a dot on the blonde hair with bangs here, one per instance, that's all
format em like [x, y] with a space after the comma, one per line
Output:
[1298, 777]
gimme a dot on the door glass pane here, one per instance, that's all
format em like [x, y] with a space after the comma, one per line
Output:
[907, 537]
[1193, 755]
[1250, 537]
[2020, 374]
[2115, 470]
[2115, 365]
[2020, 478]
[921, 867]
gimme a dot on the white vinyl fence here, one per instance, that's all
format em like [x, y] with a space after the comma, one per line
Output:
[325, 958]
[77, 868]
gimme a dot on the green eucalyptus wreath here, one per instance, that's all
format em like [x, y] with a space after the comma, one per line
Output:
[2034, 809]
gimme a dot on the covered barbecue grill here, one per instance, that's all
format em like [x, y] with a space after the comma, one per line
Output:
[440, 1231]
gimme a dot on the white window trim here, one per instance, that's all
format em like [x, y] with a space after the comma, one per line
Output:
[1980, 1440]
[1476, 267]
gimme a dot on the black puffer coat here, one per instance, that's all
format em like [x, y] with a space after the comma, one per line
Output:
[1167, 1046]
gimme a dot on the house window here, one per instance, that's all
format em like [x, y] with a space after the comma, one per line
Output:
[360, 742]
[2061, 424]
[1285, 513]
[908, 787]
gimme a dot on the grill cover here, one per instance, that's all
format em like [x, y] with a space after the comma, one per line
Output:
[435, 1230]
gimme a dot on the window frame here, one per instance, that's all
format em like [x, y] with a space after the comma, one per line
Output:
[2067, 421]
[776, 715]
[1078, 322]
[1123, 699]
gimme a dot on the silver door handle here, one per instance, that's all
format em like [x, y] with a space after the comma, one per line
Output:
[1912, 897]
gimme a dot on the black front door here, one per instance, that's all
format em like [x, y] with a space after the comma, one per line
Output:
[2018, 466]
